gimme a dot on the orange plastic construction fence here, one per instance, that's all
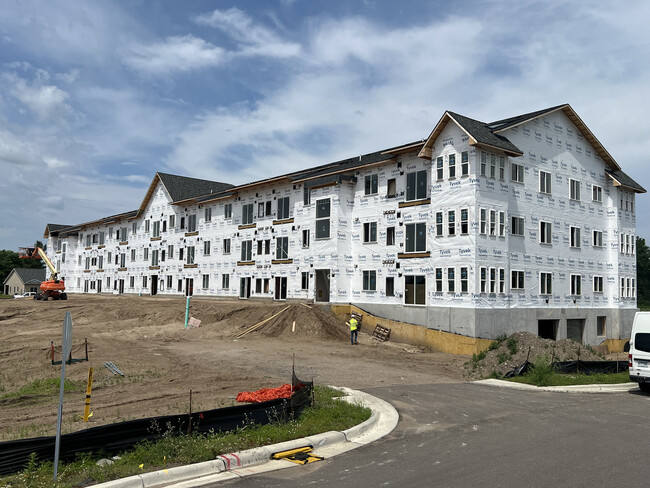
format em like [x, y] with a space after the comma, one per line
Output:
[265, 394]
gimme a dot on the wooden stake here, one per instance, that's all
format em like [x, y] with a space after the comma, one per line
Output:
[260, 324]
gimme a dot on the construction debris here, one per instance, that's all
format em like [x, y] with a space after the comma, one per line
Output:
[112, 368]
[381, 333]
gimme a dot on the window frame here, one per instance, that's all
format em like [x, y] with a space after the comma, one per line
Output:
[323, 218]
[371, 184]
[517, 278]
[545, 182]
[369, 280]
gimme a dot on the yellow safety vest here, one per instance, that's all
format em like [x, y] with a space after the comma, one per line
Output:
[353, 324]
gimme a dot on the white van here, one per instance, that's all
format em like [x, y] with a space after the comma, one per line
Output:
[639, 351]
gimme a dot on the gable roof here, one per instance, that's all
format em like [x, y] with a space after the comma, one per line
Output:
[182, 188]
[29, 276]
[479, 133]
[53, 228]
[622, 179]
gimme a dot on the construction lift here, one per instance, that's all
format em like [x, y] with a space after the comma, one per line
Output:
[54, 287]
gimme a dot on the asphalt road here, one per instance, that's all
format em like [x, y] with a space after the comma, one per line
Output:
[466, 435]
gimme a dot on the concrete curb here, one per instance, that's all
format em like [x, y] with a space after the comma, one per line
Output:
[382, 421]
[617, 388]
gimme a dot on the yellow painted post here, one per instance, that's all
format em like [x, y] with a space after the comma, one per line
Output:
[88, 390]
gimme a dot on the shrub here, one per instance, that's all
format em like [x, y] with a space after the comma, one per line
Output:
[512, 345]
[541, 372]
[503, 357]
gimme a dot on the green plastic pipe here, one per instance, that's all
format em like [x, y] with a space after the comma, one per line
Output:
[187, 311]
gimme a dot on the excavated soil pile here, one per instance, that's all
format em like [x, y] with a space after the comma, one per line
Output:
[502, 359]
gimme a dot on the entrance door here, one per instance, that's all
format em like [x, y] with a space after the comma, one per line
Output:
[154, 285]
[121, 287]
[547, 329]
[280, 287]
[189, 287]
[99, 286]
[322, 285]
[244, 287]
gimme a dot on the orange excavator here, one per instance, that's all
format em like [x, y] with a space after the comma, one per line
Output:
[54, 287]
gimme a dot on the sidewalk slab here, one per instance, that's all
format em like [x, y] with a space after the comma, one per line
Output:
[595, 388]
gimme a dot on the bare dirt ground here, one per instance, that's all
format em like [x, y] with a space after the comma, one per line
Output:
[162, 361]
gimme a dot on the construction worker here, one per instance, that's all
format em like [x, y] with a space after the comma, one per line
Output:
[354, 330]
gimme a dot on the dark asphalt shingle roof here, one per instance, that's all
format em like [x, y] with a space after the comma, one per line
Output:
[625, 180]
[182, 187]
[30, 275]
[483, 133]
[518, 119]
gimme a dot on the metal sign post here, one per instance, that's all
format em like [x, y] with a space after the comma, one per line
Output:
[65, 351]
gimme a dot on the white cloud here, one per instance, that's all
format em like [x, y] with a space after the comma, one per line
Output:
[254, 39]
[47, 102]
[175, 54]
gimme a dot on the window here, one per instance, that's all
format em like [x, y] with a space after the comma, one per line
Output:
[544, 182]
[598, 284]
[493, 222]
[246, 251]
[144, 281]
[208, 217]
[483, 163]
[439, 224]
[545, 232]
[416, 237]
[452, 166]
[267, 246]
[162, 255]
[483, 279]
[575, 236]
[502, 168]
[154, 257]
[576, 284]
[516, 280]
[622, 243]
[146, 254]
[493, 280]
[305, 240]
[574, 190]
[260, 209]
[132, 254]
[370, 232]
[438, 283]
[517, 226]
[147, 226]
[259, 247]
[101, 238]
[369, 280]
[227, 213]
[225, 281]
[502, 224]
[623, 289]
[182, 223]
[464, 282]
[323, 219]
[545, 283]
[170, 252]
[156, 229]
[206, 248]
[451, 280]
[283, 208]
[226, 246]
[172, 221]
[181, 252]
[169, 282]
[206, 281]
[391, 188]
[190, 254]
[88, 240]
[415, 289]
[416, 185]
[632, 288]
[247, 214]
[122, 259]
[123, 235]
[600, 325]
[493, 165]
[597, 238]
[502, 280]
[440, 168]
[483, 223]
[110, 232]
[390, 236]
[517, 172]
[464, 163]
[596, 193]
[390, 286]
[134, 228]
[371, 184]
[306, 196]
[464, 221]
[131, 281]
[632, 240]
[304, 280]
[451, 222]
[282, 248]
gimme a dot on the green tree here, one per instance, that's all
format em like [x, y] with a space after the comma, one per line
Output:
[642, 272]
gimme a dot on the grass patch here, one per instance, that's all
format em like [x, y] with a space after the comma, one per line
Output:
[328, 413]
[45, 387]
[542, 374]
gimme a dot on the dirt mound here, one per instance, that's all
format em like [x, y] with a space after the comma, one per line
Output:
[507, 353]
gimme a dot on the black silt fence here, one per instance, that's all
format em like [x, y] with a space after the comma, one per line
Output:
[114, 438]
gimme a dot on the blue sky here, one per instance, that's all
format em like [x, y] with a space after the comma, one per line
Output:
[95, 97]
